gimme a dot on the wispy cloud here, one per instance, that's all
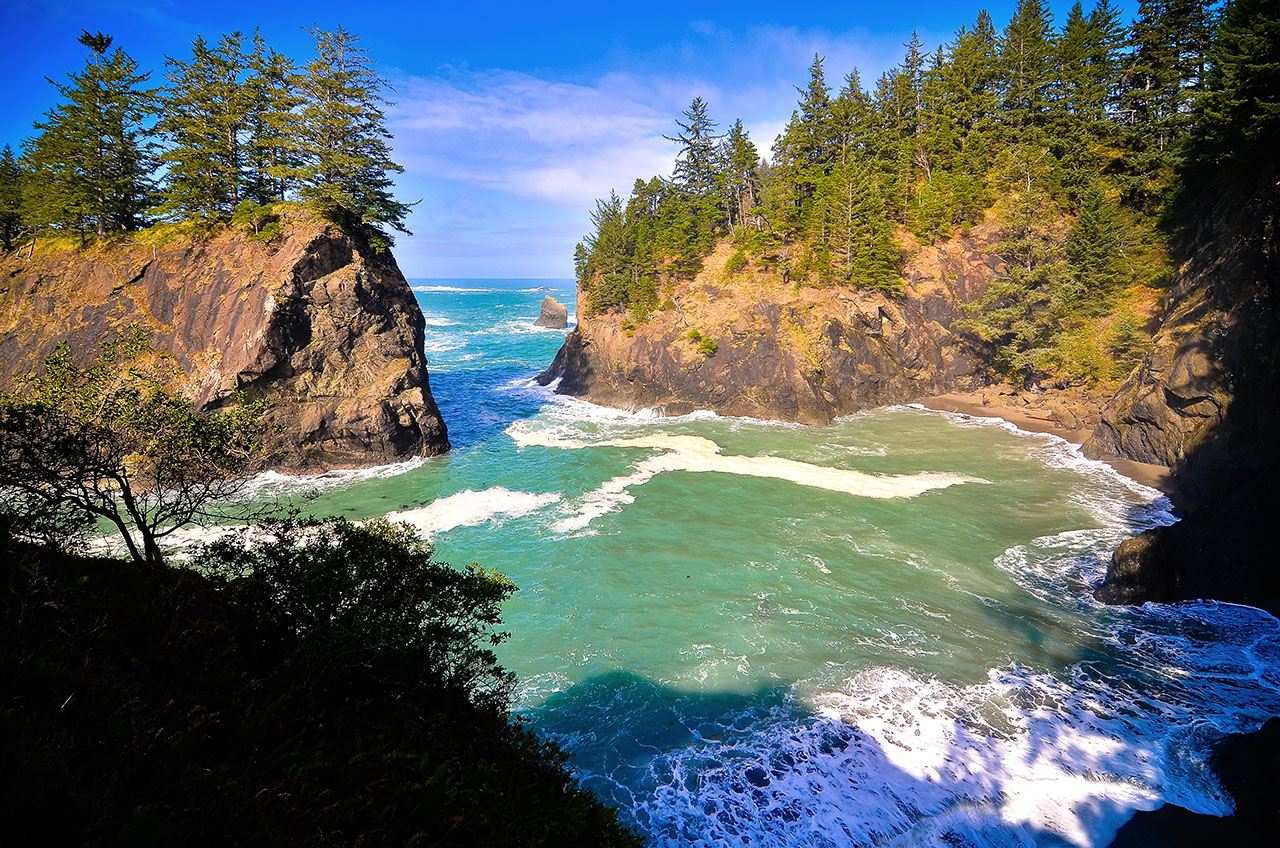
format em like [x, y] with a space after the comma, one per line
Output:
[558, 142]
[551, 147]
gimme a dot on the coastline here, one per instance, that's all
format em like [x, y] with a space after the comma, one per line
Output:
[1040, 419]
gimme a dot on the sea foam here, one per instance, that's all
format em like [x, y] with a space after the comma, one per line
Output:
[469, 508]
[701, 455]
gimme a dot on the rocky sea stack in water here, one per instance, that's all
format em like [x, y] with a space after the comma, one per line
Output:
[315, 321]
[554, 314]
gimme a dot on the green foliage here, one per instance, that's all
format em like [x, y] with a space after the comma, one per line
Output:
[284, 697]
[203, 121]
[235, 122]
[372, 598]
[707, 346]
[694, 335]
[342, 134]
[1238, 114]
[11, 223]
[261, 219]
[92, 156]
[737, 262]
[111, 440]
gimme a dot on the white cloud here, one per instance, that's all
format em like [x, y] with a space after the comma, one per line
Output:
[492, 149]
[558, 142]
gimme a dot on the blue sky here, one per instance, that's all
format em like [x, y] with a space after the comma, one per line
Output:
[510, 118]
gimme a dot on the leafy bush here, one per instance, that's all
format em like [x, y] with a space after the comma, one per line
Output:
[707, 346]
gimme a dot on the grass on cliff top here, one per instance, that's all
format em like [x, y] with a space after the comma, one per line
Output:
[267, 223]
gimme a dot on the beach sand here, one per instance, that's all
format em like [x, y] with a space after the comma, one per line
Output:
[1039, 420]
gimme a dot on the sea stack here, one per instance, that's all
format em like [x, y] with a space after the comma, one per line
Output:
[316, 322]
[554, 314]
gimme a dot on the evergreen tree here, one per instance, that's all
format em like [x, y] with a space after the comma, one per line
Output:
[696, 163]
[849, 225]
[344, 156]
[10, 198]
[804, 150]
[740, 175]
[1095, 254]
[851, 115]
[206, 107]
[273, 143]
[1025, 61]
[92, 155]
[1238, 115]
[1168, 43]
[607, 271]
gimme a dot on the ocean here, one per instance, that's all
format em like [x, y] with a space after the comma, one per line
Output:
[878, 632]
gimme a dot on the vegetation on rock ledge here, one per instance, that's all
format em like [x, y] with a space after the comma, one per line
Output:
[1068, 136]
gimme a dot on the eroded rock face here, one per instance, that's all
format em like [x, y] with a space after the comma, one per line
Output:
[315, 322]
[554, 314]
[750, 345]
[1207, 402]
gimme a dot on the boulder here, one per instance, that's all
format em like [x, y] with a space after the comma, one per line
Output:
[554, 314]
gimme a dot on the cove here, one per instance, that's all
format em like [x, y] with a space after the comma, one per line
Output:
[739, 657]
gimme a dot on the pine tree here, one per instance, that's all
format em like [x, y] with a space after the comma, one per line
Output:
[1238, 115]
[850, 226]
[1095, 254]
[806, 147]
[740, 176]
[696, 163]
[607, 271]
[92, 156]
[273, 143]
[10, 198]
[1168, 43]
[1025, 58]
[343, 151]
[206, 107]
[851, 115]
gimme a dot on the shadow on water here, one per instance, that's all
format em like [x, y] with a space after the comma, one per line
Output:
[757, 768]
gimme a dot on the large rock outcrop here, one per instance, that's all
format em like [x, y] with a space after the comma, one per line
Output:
[750, 344]
[315, 321]
[1207, 401]
[553, 314]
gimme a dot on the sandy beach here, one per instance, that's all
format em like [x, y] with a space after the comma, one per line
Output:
[1039, 420]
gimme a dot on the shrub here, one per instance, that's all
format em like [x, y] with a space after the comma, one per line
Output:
[707, 347]
[736, 263]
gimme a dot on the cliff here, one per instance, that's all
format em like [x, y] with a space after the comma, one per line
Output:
[1207, 400]
[314, 321]
[748, 343]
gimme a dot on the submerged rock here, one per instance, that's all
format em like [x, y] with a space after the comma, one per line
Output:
[554, 314]
[315, 321]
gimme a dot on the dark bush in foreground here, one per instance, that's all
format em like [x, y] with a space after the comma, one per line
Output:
[296, 696]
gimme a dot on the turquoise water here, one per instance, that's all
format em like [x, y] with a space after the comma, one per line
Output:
[876, 632]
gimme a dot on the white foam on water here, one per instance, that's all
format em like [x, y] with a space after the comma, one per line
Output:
[469, 508]
[700, 455]
[893, 758]
[1053, 450]
[431, 319]
[271, 483]
[460, 289]
[442, 345]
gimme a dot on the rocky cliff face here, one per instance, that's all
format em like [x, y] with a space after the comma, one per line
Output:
[750, 344]
[314, 321]
[1207, 402]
